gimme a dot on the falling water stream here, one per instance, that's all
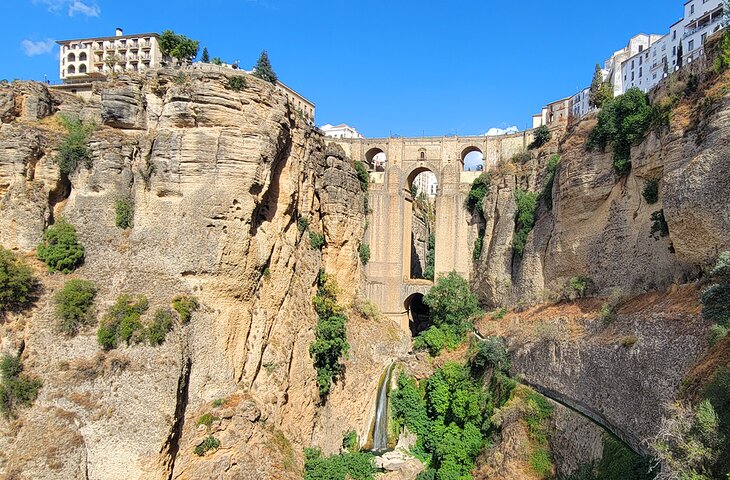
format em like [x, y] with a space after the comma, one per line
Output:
[380, 432]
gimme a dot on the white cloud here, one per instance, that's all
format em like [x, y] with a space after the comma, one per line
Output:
[493, 132]
[41, 47]
[83, 7]
[88, 9]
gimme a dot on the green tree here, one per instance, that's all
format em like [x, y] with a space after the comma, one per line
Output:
[601, 91]
[205, 58]
[622, 122]
[541, 136]
[73, 305]
[17, 283]
[60, 249]
[17, 388]
[177, 46]
[263, 69]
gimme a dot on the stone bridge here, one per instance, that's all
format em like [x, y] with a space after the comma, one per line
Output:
[394, 164]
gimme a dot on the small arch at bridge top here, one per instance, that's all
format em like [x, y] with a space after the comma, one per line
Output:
[419, 318]
[472, 159]
[376, 159]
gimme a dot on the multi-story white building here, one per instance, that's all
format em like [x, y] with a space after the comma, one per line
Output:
[84, 59]
[647, 68]
[579, 104]
[612, 68]
[701, 19]
[340, 131]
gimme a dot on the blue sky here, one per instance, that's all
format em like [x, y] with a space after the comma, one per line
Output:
[385, 67]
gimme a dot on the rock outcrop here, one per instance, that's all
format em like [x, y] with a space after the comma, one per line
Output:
[218, 180]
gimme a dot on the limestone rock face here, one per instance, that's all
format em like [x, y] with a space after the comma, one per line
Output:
[217, 180]
[600, 225]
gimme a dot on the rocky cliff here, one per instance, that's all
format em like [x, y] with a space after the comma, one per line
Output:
[218, 180]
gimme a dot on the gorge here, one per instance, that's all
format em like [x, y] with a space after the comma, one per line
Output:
[222, 218]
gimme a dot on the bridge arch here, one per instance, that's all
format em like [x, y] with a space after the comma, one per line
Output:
[377, 159]
[472, 159]
[419, 224]
[418, 313]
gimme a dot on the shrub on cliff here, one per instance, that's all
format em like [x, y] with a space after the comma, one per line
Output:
[124, 212]
[123, 322]
[17, 388]
[73, 150]
[716, 298]
[330, 344]
[579, 287]
[541, 136]
[237, 83]
[526, 207]
[364, 252]
[74, 304]
[316, 240]
[160, 326]
[363, 176]
[17, 284]
[185, 305]
[622, 122]
[651, 191]
[61, 249]
[547, 189]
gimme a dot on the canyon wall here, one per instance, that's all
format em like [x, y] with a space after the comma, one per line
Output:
[218, 179]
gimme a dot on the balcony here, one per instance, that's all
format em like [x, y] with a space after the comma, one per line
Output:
[702, 22]
[146, 45]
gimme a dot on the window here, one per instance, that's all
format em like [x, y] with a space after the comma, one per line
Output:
[641, 48]
[641, 61]
[692, 9]
[691, 45]
[71, 57]
[674, 35]
[82, 57]
[632, 76]
[82, 69]
[423, 155]
[632, 64]
[704, 38]
[640, 70]
[654, 77]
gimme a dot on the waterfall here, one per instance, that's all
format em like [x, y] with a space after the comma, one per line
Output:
[380, 432]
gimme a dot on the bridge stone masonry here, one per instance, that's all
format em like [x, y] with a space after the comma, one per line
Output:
[389, 282]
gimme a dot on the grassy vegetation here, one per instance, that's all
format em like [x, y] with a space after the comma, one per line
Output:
[185, 306]
[526, 206]
[622, 122]
[452, 307]
[350, 441]
[345, 466]
[17, 388]
[73, 150]
[330, 344]
[17, 284]
[74, 304]
[363, 176]
[61, 249]
[206, 419]
[428, 272]
[210, 443]
[124, 213]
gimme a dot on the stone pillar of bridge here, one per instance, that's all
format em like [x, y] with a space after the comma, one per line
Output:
[452, 228]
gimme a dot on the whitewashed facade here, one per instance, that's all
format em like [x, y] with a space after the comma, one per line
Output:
[340, 131]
